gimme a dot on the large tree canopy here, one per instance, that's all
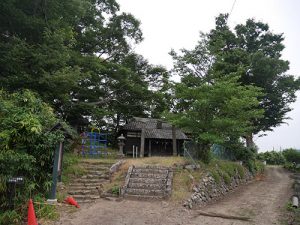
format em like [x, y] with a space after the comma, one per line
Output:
[77, 55]
[254, 50]
[251, 52]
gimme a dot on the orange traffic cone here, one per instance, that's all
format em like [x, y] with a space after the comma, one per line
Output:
[31, 219]
[71, 201]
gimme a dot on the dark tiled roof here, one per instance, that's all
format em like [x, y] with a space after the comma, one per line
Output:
[151, 131]
[164, 134]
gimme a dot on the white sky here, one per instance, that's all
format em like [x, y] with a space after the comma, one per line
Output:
[176, 24]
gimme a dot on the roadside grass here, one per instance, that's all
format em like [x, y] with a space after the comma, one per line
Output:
[223, 170]
[291, 215]
[183, 183]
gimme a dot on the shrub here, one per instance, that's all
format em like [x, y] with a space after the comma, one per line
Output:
[272, 157]
[26, 146]
[292, 155]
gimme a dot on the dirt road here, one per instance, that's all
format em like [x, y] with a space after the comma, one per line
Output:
[261, 200]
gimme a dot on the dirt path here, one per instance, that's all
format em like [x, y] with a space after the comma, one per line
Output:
[261, 200]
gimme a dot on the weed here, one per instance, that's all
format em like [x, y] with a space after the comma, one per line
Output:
[216, 176]
[241, 171]
[226, 178]
[115, 190]
[10, 217]
[44, 210]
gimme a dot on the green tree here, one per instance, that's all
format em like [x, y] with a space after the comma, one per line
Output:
[70, 52]
[255, 51]
[218, 112]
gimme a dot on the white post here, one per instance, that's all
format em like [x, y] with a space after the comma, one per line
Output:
[133, 151]
[136, 151]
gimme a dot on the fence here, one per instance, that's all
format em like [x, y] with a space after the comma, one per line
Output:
[193, 151]
[93, 144]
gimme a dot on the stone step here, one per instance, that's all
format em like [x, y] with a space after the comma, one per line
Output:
[146, 170]
[149, 175]
[84, 162]
[82, 201]
[85, 197]
[82, 187]
[147, 186]
[89, 181]
[80, 184]
[133, 191]
[147, 180]
[144, 197]
[98, 172]
[84, 192]
[89, 176]
[152, 167]
[95, 168]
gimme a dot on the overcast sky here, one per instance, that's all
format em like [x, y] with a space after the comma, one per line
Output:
[175, 24]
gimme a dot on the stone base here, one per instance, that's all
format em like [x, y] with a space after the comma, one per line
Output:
[52, 201]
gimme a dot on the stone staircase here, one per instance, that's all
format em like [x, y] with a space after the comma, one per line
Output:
[87, 188]
[149, 183]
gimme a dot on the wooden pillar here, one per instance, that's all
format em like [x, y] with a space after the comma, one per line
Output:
[149, 154]
[142, 143]
[174, 140]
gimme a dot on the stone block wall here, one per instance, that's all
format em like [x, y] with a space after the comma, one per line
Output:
[208, 189]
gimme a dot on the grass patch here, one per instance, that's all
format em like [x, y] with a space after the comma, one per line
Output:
[163, 161]
[291, 215]
[183, 182]
[215, 174]
[222, 170]
[71, 167]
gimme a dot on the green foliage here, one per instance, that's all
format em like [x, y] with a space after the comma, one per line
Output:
[208, 95]
[272, 157]
[226, 178]
[10, 217]
[115, 190]
[44, 210]
[76, 54]
[71, 167]
[216, 112]
[27, 146]
[254, 52]
[216, 176]
[292, 167]
[225, 170]
[292, 155]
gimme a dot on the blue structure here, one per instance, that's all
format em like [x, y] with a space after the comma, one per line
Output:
[93, 144]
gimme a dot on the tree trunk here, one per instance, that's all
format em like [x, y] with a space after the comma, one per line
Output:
[249, 141]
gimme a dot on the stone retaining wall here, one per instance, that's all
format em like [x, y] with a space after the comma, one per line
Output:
[208, 189]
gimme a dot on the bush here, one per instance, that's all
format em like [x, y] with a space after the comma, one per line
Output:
[26, 146]
[292, 155]
[272, 158]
